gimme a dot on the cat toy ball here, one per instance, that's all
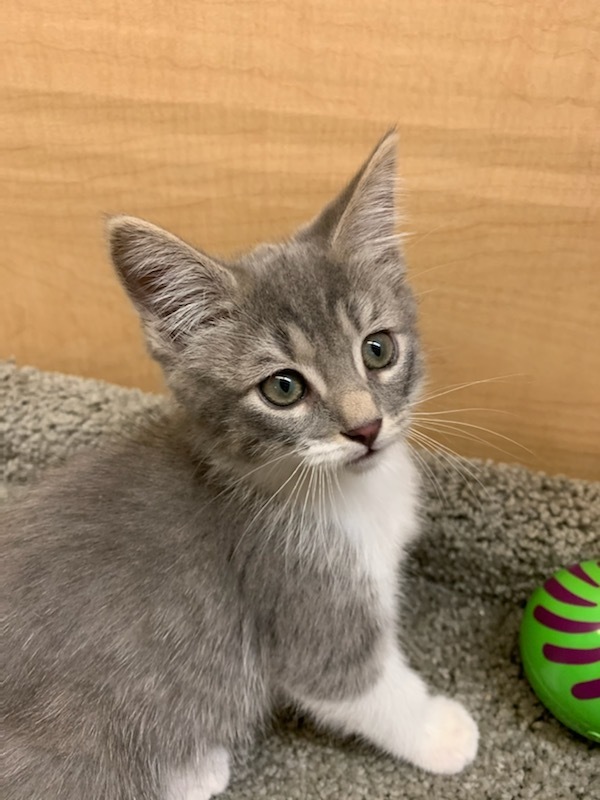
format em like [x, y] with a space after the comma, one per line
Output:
[560, 646]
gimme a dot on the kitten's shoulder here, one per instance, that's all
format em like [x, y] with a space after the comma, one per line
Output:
[145, 478]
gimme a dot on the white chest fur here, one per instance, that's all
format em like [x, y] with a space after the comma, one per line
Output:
[377, 509]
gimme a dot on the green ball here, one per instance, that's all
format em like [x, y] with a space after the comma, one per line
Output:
[560, 646]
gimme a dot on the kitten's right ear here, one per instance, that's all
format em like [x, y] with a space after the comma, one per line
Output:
[360, 223]
[175, 288]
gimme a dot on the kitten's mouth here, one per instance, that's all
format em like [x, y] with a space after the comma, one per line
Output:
[364, 459]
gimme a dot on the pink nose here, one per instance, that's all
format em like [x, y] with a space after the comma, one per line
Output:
[366, 434]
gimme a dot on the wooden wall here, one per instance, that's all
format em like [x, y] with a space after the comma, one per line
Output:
[230, 122]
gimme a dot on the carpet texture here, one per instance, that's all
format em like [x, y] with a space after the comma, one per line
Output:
[491, 533]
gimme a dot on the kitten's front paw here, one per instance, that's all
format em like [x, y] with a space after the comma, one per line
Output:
[202, 781]
[447, 740]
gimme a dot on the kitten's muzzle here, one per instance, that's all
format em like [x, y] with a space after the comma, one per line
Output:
[365, 434]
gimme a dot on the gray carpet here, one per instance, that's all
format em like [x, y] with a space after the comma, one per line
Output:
[489, 539]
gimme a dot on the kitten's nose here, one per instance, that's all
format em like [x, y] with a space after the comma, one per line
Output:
[366, 434]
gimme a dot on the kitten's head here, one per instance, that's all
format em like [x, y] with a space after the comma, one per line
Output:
[304, 351]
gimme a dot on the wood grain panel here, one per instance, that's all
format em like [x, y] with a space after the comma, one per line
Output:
[230, 122]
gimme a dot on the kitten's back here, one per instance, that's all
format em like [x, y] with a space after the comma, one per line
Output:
[125, 626]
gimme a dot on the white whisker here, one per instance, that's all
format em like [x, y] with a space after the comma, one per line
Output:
[265, 506]
[459, 423]
[460, 386]
[460, 410]
[452, 458]
[428, 471]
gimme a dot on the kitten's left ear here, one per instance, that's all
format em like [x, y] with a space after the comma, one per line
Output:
[361, 222]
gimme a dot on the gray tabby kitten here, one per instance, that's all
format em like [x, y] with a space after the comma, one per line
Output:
[164, 593]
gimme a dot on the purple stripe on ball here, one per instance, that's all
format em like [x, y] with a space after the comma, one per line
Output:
[588, 690]
[559, 592]
[562, 624]
[571, 655]
[579, 572]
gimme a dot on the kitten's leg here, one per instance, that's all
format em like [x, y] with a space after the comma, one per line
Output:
[399, 715]
[203, 780]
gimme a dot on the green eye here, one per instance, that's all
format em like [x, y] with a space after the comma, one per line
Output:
[378, 350]
[284, 388]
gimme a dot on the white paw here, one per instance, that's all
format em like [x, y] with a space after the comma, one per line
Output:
[202, 782]
[216, 776]
[447, 741]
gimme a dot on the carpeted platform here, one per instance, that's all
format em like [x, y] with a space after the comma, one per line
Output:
[488, 541]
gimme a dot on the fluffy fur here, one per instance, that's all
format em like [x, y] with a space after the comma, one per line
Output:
[163, 594]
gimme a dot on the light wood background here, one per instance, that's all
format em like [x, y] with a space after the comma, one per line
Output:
[230, 122]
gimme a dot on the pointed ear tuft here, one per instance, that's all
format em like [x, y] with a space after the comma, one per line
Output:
[361, 222]
[175, 288]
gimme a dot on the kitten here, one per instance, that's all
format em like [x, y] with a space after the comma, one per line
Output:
[164, 592]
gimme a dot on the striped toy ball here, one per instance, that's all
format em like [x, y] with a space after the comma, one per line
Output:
[560, 646]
